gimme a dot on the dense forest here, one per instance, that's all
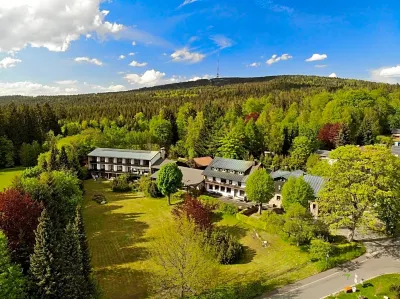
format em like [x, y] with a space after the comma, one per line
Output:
[290, 116]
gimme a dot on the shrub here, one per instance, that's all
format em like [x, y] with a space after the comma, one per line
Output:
[395, 288]
[227, 208]
[212, 202]
[121, 184]
[193, 208]
[153, 191]
[320, 250]
[226, 247]
[179, 195]
[99, 198]
[144, 183]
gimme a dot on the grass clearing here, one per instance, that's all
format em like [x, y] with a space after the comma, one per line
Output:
[7, 175]
[374, 288]
[121, 232]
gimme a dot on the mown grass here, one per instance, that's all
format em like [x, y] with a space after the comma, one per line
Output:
[374, 288]
[121, 232]
[7, 175]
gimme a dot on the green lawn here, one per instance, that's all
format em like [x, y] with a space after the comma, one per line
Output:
[7, 175]
[375, 288]
[121, 231]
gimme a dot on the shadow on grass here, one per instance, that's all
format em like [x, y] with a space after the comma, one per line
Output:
[116, 284]
[248, 255]
[216, 217]
[236, 230]
[112, 236]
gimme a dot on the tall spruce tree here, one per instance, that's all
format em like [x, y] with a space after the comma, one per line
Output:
[44, 266]
[71, 266]
[54, 162]
[85, 254]
[64, 162]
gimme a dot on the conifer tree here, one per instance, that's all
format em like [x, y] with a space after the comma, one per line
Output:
[64, 163]
[54, 162]
[85, 254]
[44, 266]
[71, 264]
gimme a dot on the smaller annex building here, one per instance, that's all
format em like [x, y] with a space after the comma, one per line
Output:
[228, 176]
[191, 178]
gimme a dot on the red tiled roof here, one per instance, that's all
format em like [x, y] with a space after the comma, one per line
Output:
[202, 161]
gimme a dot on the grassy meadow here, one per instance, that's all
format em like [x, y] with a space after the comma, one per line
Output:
[7, 175]
[121, 232]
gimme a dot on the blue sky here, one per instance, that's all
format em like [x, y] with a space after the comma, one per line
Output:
[82, 46]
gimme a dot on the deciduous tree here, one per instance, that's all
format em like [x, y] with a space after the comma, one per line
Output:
[169, 180]
[296, 190]
[260, 187]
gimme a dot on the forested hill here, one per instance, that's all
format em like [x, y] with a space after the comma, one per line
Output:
[283, 90]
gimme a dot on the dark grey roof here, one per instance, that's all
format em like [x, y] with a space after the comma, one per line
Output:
[396, 150]
[286, 174]
[323, 153]
[231, 164]
[191, 176]
[396, 131]
[225, 175]
[160, 162]
[123, 153]
[316, 183]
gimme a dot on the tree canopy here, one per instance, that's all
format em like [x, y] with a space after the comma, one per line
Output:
[260, 187]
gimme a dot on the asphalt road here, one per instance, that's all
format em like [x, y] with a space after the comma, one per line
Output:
[383, 257]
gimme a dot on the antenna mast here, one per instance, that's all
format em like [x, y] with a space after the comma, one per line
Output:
[218, 66]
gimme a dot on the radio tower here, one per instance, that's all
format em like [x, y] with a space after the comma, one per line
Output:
[218, 67]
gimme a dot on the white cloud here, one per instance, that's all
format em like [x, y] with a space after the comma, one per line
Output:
[65, 87]
[149, 78]
[185, 55]
[275, 58]
[320, 65]
[131, 54]
[9, 62]
[121, 57]
[186, 2]
[317, 57]
[254, 64]
[222, 41]
[67, 82]
[133, 43]
[89, 60]
[138, 64]
[195, 78]
[386, 74]
[52, 24]
[333, 75]
[391, 72]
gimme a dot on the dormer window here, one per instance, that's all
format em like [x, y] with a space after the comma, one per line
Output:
[241, 172]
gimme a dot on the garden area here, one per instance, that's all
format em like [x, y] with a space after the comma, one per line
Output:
[123, 231]
[7, 175]
[385, 285]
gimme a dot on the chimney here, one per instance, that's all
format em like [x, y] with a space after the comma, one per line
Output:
[162, 152]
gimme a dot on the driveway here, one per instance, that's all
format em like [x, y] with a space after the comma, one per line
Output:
[382, 257]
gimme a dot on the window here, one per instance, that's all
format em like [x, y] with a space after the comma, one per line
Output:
[314, 206]
[232, 171]
[241, 193]
[146, 162]
[102, 167]
[239, 184]
[94, 166]
[222, 189]
[119, 168]
[228, 190]
[230, 182]
[214, 179]
[110, 167]
[241, 172]
[216, 187]
[278, 197]
[119, 160]
[102, 159]
[223, 170]
[223, 181]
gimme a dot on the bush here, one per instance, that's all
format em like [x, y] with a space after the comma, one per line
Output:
[320, 250]
[121, 184]
[144, 183]
[227, 208]
[227, 248]
[153, 191]
[237, 291]
[179, 195]
[194, 209]
[212, 202]
[99, 198]
[395, 288]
